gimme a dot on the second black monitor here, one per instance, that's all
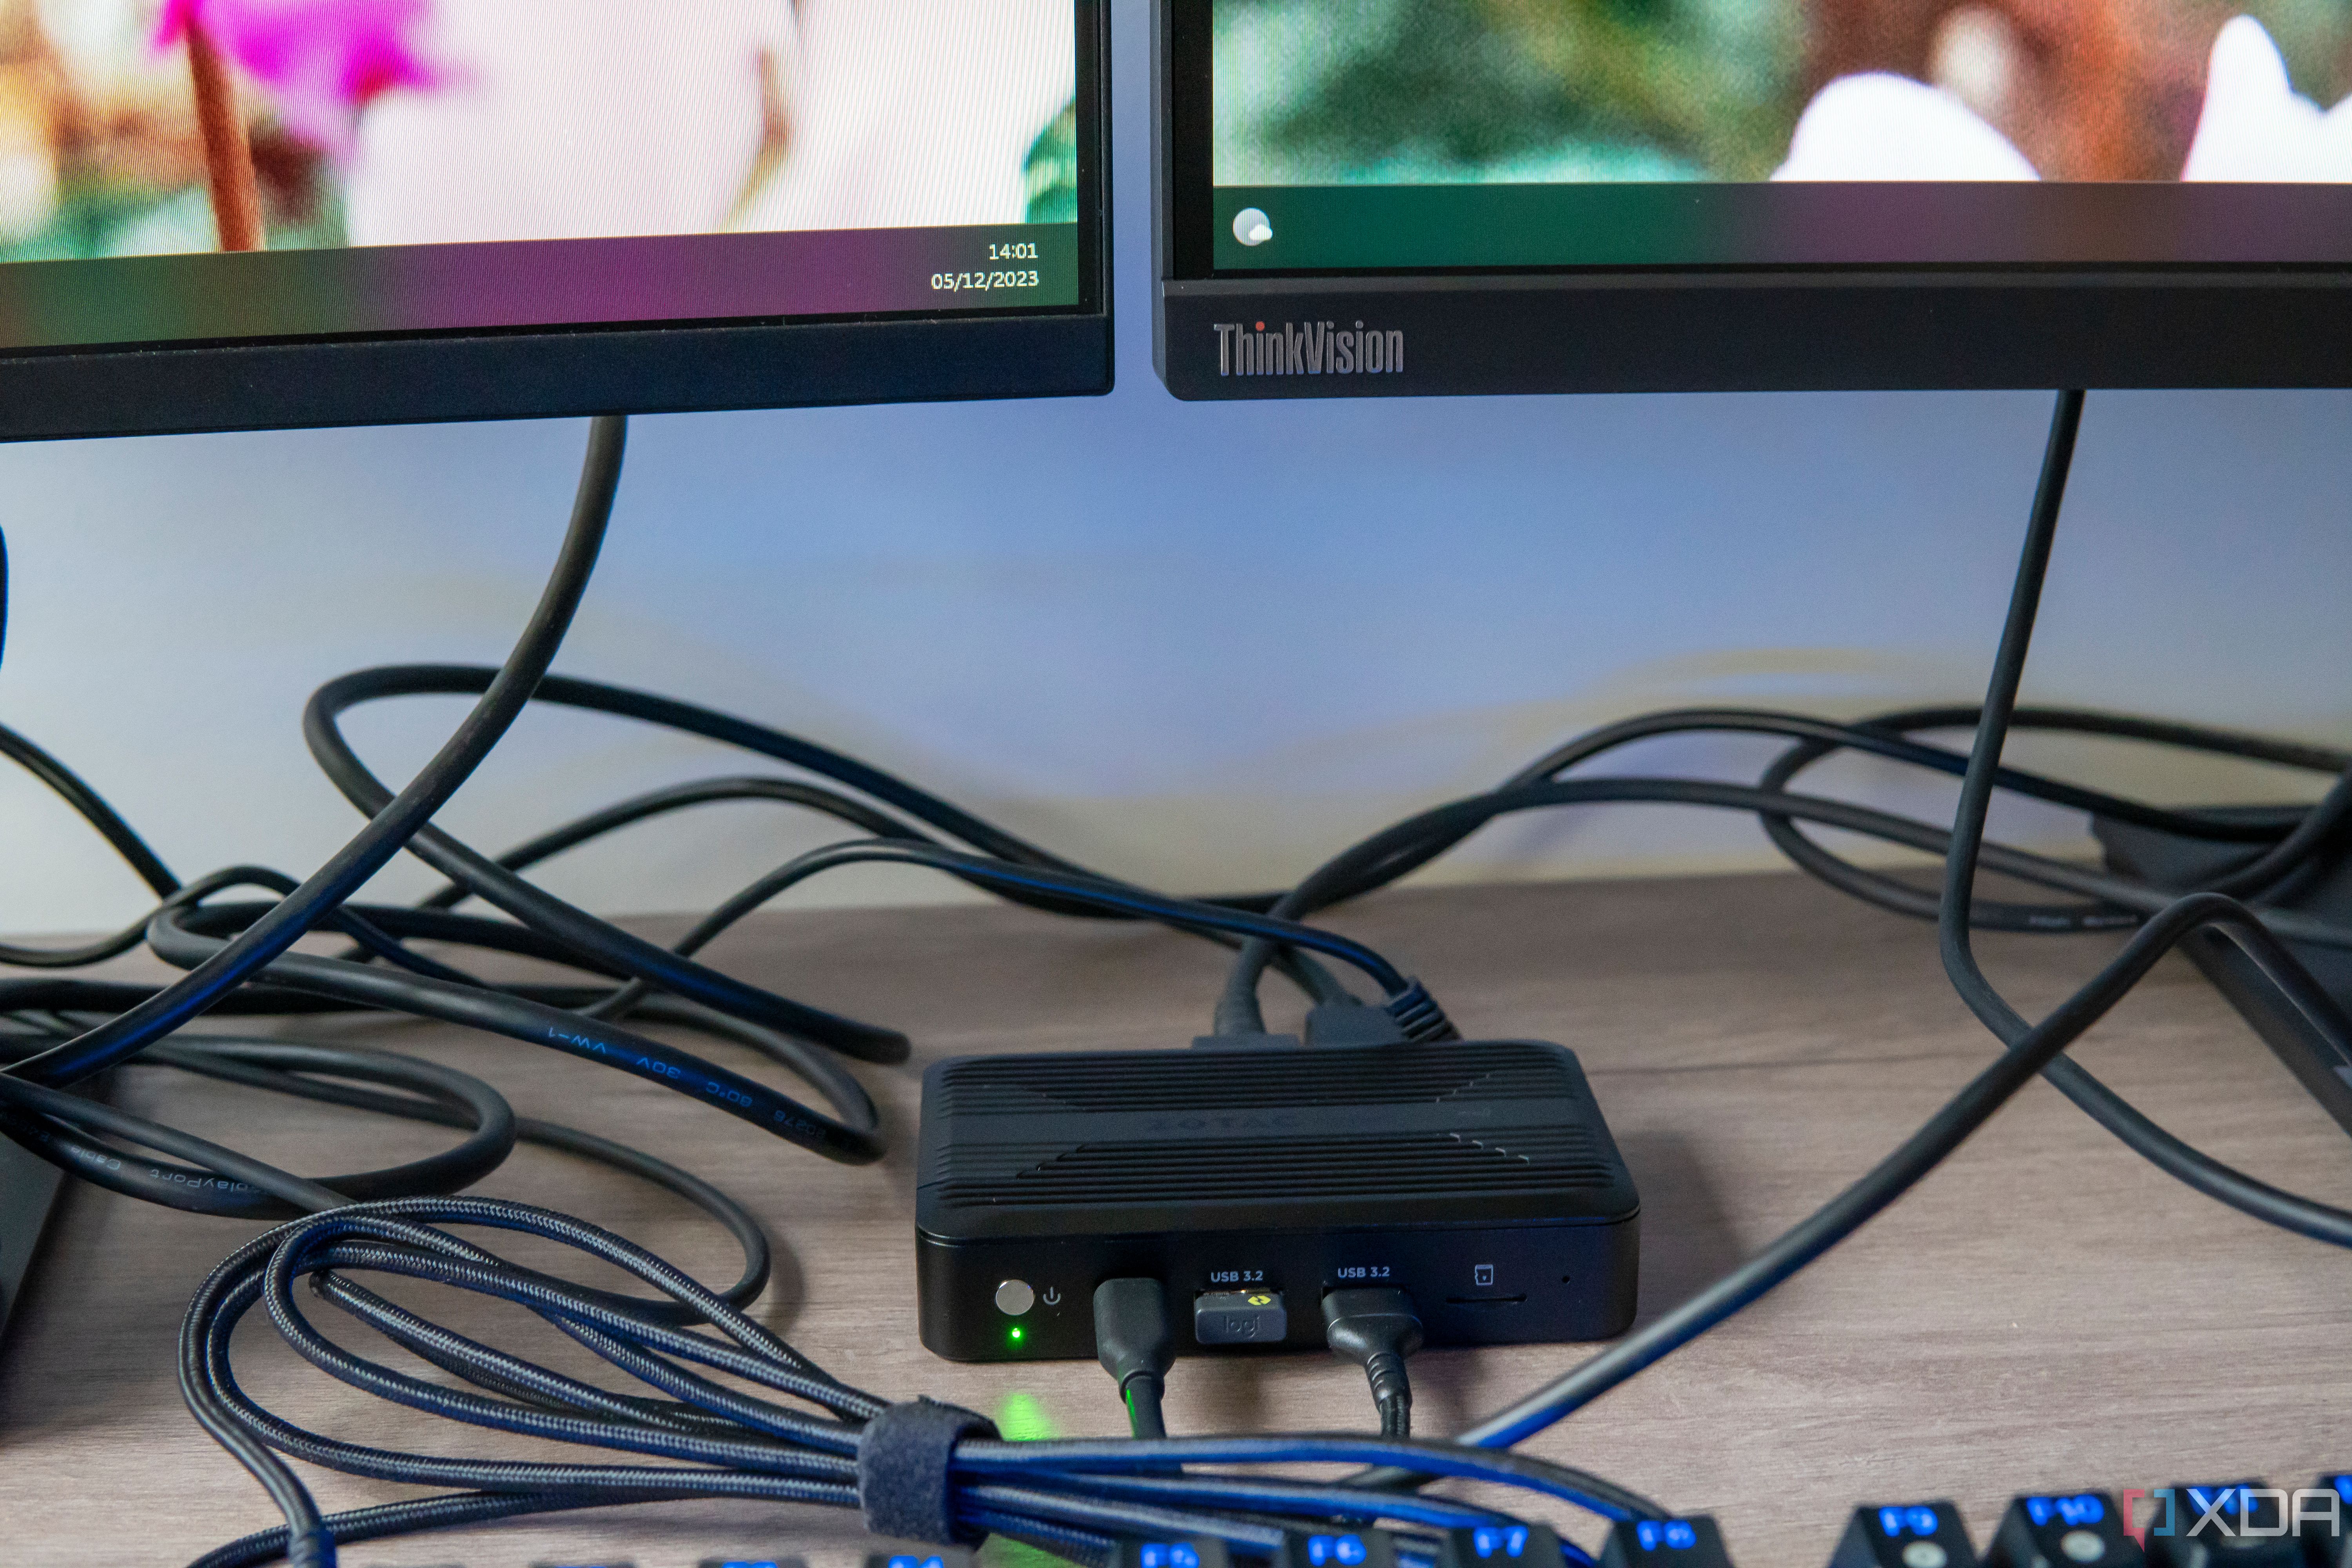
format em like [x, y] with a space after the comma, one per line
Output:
[1496, 195]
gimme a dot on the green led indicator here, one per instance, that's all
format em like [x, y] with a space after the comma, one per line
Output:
[1016, 1333]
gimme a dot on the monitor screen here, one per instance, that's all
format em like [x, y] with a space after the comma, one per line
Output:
[186, 172]
[1439, 133]
[1781, 167]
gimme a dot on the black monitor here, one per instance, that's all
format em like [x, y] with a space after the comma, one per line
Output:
[255, 214]
[1411, 196]
[233, 213]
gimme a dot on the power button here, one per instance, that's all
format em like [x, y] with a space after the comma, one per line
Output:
[1014, 1297]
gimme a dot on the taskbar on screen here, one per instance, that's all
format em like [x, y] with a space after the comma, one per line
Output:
[1333, 228]
[377, 290]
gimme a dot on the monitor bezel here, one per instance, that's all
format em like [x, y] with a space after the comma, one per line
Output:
[633, 367]
[1718, 329]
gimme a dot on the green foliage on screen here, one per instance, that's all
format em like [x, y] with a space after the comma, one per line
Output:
[1437, 92]
[1406, 90]
[1051, 170]
[93, 221]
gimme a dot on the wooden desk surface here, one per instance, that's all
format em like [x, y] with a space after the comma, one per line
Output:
[2045, 1312]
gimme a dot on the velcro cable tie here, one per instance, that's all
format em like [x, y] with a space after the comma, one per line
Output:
[903, 1456]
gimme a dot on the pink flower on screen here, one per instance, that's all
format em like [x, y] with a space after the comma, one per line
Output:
[323, 61]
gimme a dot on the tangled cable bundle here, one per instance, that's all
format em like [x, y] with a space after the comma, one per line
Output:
[913, 1468]
[840, 1447]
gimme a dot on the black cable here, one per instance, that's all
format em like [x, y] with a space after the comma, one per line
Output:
[2145, 1137]
[93, 809]
[320, 728]
[2032, 1046]
[256, 1063]
[1135, 1343]
[1312, 978]
[820, 1070]
[57, 1107]
[1904, 898]
[1888, 739]
[187, 936]
[2185, 1162]
[444, 992]
[391, 826]
[679, 797]
[1888, 736]
[1884, 736]
[1820, 738]
[1898, 897]
[1146, 1417]
[1075, 888]
[436, 1093]
[1893, 1176]
[1456, 819]
[2167, 1151]
[456, 998]
[1318, 984]
[330, 1074]
[1376, 1328]
[487, 878]
[1824, 737]
[1302, 969]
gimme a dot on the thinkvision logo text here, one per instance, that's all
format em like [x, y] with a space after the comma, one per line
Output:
[1317, 348]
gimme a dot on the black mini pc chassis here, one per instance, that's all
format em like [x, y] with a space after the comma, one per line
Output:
[1476, 1175]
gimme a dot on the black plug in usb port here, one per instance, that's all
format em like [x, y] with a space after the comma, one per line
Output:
[1239, 1317]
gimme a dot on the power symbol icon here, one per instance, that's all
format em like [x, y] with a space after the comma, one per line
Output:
[1052, 1297]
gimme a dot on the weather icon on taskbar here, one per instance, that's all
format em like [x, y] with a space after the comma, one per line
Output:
[1251, 227]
